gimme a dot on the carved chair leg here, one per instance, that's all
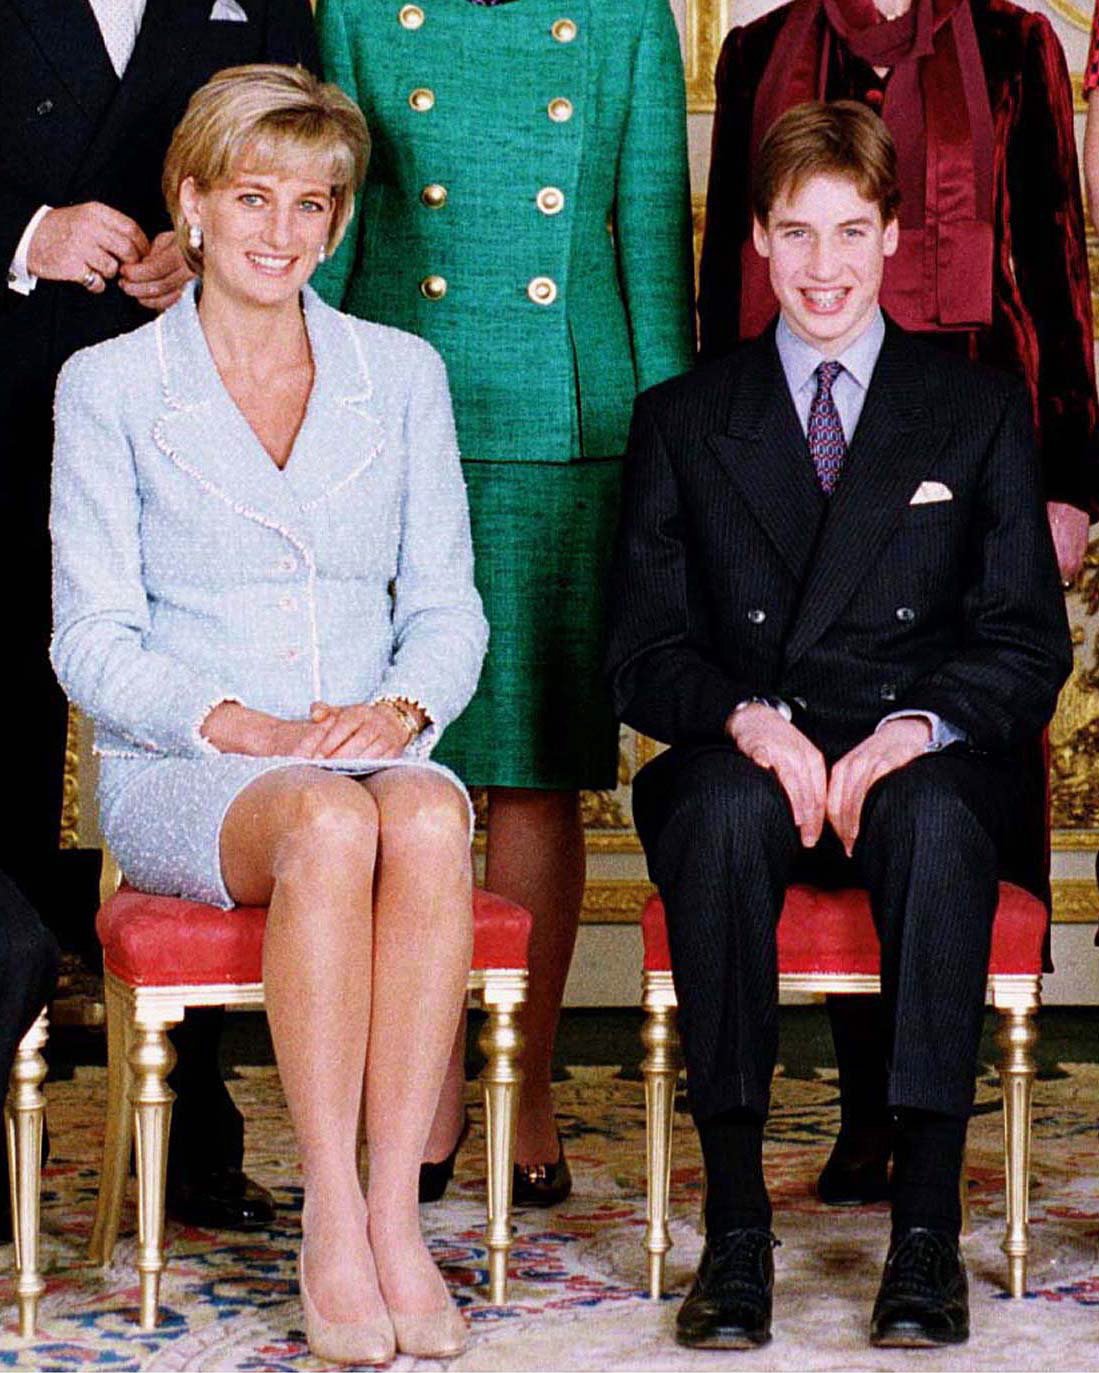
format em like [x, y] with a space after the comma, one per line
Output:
[118, 1135]
[151, 1060]
[1017, 1037]
[660, 1068]
[500, 1042]
[23, 1111]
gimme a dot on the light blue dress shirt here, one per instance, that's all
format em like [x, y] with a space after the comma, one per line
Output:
[800, 361]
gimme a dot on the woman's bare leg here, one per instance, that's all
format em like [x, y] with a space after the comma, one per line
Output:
[304, 841]
[536, 858]
[423, 941]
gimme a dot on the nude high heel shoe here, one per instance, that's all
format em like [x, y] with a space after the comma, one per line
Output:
[358, 1342]
[439, 1335]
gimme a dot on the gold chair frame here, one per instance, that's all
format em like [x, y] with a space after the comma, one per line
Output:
[139, 1108]
[1015, 996]
[24, 1108]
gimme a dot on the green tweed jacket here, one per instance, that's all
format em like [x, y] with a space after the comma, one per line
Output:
[526, 210]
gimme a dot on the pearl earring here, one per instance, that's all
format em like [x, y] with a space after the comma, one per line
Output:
[322, 255]
[194, 236]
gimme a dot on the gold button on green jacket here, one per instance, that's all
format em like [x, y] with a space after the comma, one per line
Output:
[526, 208]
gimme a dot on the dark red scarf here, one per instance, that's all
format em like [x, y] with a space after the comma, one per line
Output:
[937, 109]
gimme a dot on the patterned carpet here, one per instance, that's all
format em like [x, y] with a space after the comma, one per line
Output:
[576, 1299]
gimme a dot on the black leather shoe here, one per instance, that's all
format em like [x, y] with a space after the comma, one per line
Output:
[541, 1184]
[435, 1176]
[729, 1304]
[924, 1297]
[225, 1200]
[857, 1171]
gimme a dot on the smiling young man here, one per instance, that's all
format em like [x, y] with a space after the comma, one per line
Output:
[836, 598]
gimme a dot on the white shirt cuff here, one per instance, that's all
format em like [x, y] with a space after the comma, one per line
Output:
[943, 732]
[19, 279]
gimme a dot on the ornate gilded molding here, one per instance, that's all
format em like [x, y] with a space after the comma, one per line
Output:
[1075, 901]
[70, 785]
[707, 25]
[615, 902]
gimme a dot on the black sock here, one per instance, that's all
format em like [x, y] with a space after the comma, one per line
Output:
[736, 1195]
[927, 1169]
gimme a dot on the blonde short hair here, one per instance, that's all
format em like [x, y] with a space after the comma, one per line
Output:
[269, 118]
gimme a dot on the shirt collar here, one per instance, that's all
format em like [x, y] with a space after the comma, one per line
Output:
[800, 359]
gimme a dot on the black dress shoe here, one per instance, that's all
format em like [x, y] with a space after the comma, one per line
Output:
[857, 1171]
[435, 1176]
[541, 1184]
[225, 1200]
[924, 1297]
[729, 1304]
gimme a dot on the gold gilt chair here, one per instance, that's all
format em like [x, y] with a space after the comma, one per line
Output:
[162, 955]
[827, 943]
[23, 1111]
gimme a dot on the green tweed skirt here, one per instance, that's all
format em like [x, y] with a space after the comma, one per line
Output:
[542, 536]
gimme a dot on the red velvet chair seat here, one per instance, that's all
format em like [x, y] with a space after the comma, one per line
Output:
[832, 932]
[154, 941]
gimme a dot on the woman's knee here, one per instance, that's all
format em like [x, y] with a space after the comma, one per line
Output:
[422, 814]
[330, 826]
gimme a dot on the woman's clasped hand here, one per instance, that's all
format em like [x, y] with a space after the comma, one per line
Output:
[376, 729]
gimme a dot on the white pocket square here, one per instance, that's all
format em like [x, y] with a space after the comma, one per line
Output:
[229, 11]
[927, 492]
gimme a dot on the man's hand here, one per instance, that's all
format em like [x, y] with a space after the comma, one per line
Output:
[77, 242]
[890, 748]
[1069, 528]
[773, 743]
[157, 281]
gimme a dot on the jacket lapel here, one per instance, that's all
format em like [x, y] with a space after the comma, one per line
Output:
[69, 36]
[169, 29]
[764, 452]
[894, 443]
[203, 432]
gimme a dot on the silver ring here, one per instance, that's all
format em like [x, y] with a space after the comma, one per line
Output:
[90, 279]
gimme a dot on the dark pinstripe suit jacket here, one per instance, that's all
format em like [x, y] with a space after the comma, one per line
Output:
[734, 576]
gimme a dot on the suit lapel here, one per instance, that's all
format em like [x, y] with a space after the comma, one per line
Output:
[169, 29]
[894, 443]
[69, 36]
[204, 433]
[764, 452]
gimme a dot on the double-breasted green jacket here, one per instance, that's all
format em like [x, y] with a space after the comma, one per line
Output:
[526, 208]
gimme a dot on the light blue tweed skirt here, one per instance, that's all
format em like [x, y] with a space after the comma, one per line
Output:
[162, 817]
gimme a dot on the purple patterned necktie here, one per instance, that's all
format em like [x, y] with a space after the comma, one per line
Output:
[827, 446]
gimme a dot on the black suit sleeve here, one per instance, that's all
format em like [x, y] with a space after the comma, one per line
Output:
[292, 35]
[1002, 687]
[16, 209]
[665, 680]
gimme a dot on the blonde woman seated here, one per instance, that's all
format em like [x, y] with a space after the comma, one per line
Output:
[264, 599]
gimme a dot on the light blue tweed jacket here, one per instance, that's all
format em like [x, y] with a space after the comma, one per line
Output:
[188, 569]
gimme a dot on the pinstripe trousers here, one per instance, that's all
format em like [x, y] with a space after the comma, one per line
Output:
[722, 847]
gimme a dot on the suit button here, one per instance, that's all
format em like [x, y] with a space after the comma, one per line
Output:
[905, 614]
[888, 692]
[756, 616]
[433, 287]
[542, 290]
[43, 107]
[288, 563]
[287, 603]
[560, 109]
[434, 196]
[292, 655]
[410, 16]
[564, 30]
[550, 200]
[422, 100]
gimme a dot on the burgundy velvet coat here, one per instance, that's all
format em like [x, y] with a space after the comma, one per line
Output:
[1041, 327]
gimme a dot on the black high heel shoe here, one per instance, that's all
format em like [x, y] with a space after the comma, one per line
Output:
[434, 1177]
[541, 1184]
